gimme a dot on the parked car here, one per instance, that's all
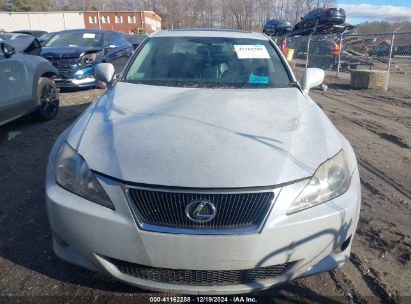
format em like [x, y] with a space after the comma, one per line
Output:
[380, 50]
[26, 81]
[135, 40]
[276, 27]
[34, 33]
[76, 52]
[45, 37]
[204, 169]
[12, 36]
[321, 17]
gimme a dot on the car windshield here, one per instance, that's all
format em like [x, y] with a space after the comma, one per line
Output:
[75, 39]
[208, 62]
[135, 38]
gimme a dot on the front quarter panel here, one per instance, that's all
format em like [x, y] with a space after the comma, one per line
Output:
[41, 67]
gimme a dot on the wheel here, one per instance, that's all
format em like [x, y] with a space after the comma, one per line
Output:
[47, 99]
[316, 23]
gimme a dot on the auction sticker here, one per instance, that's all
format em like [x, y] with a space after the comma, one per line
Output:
[89, 35]
[251, 52]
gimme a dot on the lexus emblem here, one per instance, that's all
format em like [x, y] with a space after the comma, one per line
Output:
[200, 211]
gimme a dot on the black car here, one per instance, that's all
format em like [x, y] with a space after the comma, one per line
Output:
[384, 50]
[75, 53]
[135, 40]
[276, 27]
[34, 33]
[321, 17]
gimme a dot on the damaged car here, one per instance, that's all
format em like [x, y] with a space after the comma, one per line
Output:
[75, 53]
[26, 80]
[205, 168]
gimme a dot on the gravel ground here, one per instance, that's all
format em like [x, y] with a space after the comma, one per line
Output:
[378, 126]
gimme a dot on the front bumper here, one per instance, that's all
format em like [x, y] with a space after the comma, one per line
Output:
[89, 235]
[76, 83]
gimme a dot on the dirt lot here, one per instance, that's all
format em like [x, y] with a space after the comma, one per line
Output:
[378, 126]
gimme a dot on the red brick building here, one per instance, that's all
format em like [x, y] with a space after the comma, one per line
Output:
[126, 22]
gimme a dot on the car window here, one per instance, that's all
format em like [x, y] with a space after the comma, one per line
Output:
[118, 39]
[114, 38]
[135, 38]
[75, 39]
[208, 62]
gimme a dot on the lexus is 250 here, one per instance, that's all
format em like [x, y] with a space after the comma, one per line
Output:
[205, 168]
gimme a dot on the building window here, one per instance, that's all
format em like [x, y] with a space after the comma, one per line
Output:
[105, 19]
[119, 19]
[131, 19]
[92, 19]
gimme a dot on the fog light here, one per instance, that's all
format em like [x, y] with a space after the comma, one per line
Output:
[343, 246]
[59, 240]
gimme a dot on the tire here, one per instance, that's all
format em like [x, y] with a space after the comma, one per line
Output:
[47, 99]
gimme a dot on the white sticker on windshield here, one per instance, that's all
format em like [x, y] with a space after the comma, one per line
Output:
[89, 35]
[251, 52]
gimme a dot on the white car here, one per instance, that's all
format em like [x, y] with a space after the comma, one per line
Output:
[26, 80]
[204, 169]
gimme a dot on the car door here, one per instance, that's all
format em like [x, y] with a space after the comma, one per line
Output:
[15, 85]
[308, 19]
[126, 50]
[115, 52]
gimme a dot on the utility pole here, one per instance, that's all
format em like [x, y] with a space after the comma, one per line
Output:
[340, 51]
[391, 48]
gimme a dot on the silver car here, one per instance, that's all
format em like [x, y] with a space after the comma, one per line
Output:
[204, 169]
[26, 79]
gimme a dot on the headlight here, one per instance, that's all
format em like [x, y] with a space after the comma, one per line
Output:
[88, 59]
[72, 173]
[331, 179]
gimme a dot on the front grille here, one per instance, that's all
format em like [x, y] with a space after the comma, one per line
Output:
[64, 65]
[234, 211]
[199, 277]
[63, 70]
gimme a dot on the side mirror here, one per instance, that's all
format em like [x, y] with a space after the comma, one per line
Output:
[312, 77]
[104, 72]
[7, 49]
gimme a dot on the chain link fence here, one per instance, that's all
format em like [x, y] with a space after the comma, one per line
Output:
[374, 61]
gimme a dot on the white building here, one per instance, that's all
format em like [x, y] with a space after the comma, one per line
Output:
[46, 21]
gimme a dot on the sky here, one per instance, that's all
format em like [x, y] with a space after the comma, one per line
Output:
[358, 11]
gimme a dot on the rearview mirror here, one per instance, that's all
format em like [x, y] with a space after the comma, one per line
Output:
[7, 49]
[104, 72]
[312, 77]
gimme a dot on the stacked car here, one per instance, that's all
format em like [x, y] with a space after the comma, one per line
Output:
[320, 19]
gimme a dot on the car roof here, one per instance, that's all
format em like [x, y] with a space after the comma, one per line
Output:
[220, 33]
[13, 35]
[88, 31]
[29, 31]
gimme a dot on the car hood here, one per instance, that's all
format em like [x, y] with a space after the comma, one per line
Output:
[205, 138]
[21, 44]
[66, 52]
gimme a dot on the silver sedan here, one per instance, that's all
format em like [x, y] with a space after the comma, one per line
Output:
[204, 169]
